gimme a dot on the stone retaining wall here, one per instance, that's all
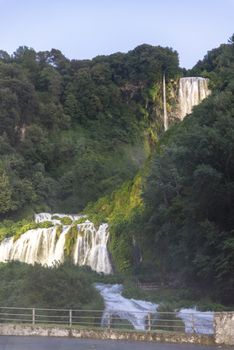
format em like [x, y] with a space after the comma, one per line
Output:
[223, 332]
[25, 330]
[224, 328]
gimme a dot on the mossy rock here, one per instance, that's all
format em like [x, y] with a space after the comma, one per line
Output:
[59, 230]
[32, 226]
[45, 224]
[81, 220]
[70, 240]
[66, 220]
[55, 217]
[23, 229]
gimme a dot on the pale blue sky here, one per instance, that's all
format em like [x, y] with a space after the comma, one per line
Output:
[86, 28]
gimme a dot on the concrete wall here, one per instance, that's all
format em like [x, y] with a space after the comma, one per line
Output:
[223, 332]
[224, 328]
[25, 330]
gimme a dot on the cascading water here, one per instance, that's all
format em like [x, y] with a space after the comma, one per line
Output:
[192, 90]
[35, 246]
[136, 311]
[202, 321]
[45, 246]
[41, 217]
[42, 245]
[91, 247]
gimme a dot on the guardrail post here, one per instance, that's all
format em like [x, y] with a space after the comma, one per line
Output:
[193, 324]
[109, 321]
[149, 321]
[33, 316]
[214, 324]
[70, 318]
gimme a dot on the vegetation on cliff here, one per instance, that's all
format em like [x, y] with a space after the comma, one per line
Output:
[72, 131]
[119, 209]
[64, 286]
[184, 233]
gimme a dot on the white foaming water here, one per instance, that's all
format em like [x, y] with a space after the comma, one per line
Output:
[91, 247]
[192, 90]
[42, 217]
[43, 246]
[197, 321]
[135, 311]
[34, 246]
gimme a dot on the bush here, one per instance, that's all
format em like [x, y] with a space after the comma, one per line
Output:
[65, 220]
[63, 286]
[9, 228]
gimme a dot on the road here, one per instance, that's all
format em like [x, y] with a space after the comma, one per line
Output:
[47, 343]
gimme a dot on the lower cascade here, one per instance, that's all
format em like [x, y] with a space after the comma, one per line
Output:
[47, 245]
[202, 321]
[137, 311]
[134, 311]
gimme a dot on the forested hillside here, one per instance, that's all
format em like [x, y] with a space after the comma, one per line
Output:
[88, 135]
[181, 232]
[70, 130]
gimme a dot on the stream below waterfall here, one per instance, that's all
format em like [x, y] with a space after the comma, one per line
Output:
[47, 247]
[137, 311]
[134, 311]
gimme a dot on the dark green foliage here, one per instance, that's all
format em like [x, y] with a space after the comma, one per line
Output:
[63, 286]
[182, 232]
[70, 240]
[118, 210]
[189, 196]
[5, 192]
[65, 220]
[218, 65]
[72, 131]
[80, 221]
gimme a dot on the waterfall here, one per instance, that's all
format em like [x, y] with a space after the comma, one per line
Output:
[136, 311]
[192, 90]
[165, 118]
[91, 247]
[34, 246]
[45, 246]
[41, 217]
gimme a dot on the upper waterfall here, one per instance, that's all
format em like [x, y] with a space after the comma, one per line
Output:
[192, 90]
[47, 245]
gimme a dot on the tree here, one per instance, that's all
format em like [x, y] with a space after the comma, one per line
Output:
[5, 192]
[4, 56]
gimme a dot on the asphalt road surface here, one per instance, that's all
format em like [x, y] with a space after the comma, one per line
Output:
[47, 343]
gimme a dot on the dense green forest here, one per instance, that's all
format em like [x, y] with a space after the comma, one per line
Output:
[60, 286]
[184, 222]
[189, 192]
[70, 130]
[88, 135]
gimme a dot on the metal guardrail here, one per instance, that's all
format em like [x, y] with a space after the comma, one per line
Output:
[148, 322]
[148, 286]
